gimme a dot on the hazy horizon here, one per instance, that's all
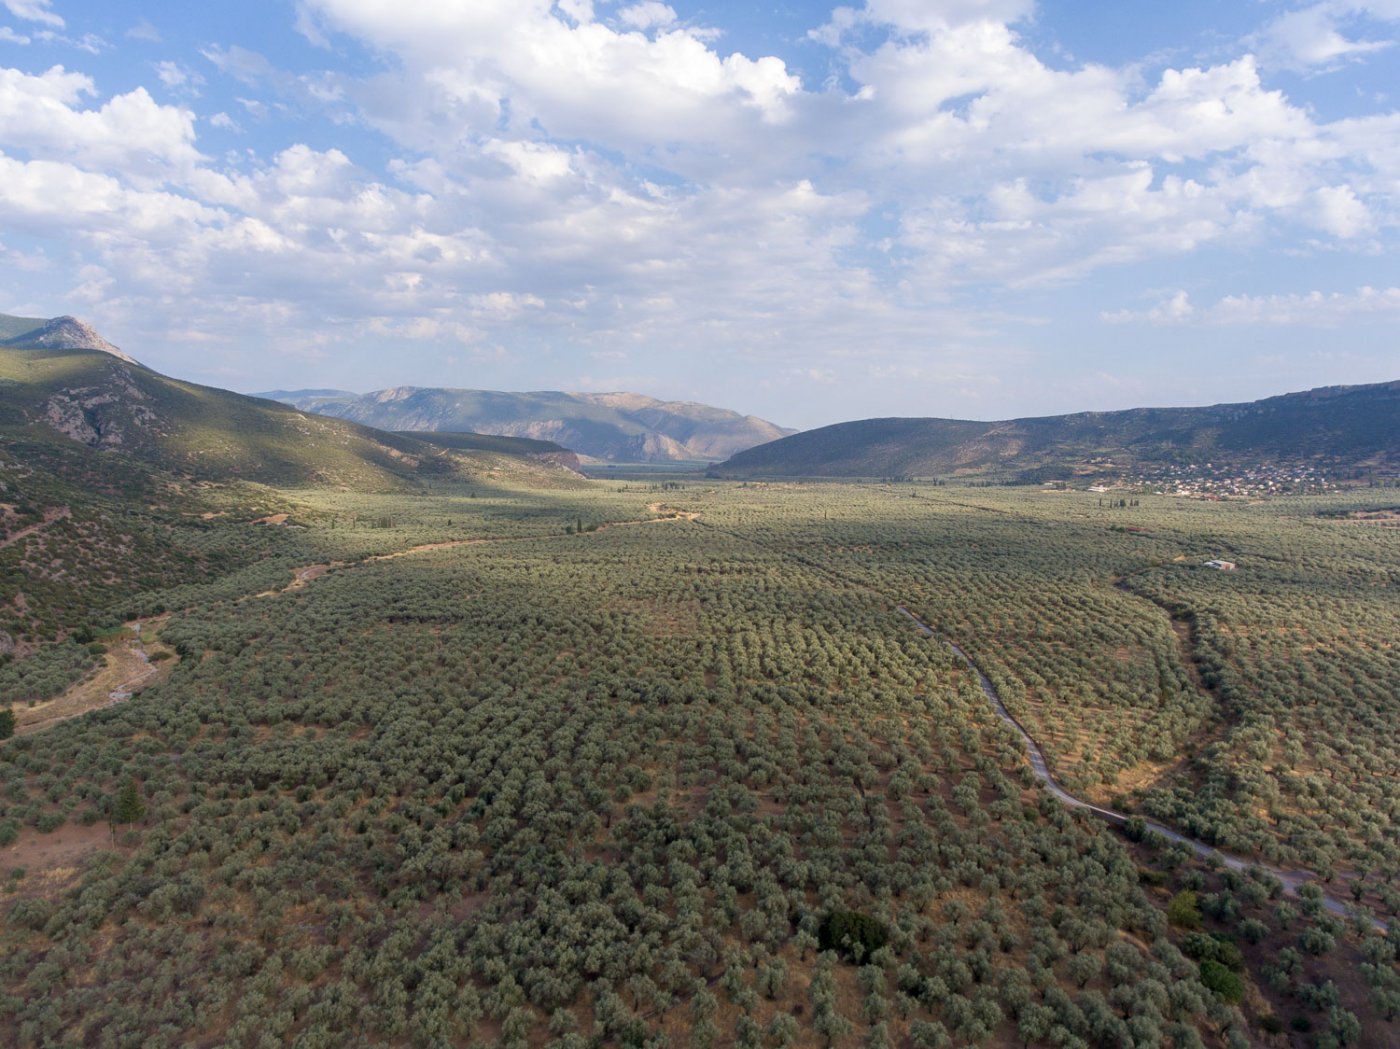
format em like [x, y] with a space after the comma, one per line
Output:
[780, 422]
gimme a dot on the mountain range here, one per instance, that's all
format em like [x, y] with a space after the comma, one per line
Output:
[612, 427]
[60, 381]
[1340, 428]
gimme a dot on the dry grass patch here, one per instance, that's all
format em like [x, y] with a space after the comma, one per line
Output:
[130, 665]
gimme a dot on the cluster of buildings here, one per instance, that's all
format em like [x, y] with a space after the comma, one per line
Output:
[1215, 481]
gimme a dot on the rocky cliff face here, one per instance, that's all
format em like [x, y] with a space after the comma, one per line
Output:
[101, 416]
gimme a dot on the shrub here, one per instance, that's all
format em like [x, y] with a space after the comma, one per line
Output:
[1226, 985]
[1200, 947]
[852, 934]
[1184, 910]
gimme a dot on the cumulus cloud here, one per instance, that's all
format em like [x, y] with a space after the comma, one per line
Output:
[615, 178]
[129, 133]
[467, 66]
[48, 196]
[1341, 213]
[953, 121]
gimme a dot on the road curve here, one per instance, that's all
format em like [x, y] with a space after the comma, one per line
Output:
[1292, 880]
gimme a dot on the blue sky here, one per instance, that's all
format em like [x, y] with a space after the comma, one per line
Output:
[968, 208]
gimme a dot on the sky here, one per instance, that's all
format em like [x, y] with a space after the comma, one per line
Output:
[812, 213]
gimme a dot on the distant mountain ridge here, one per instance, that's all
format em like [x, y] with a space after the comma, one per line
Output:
[1341, 427]
[614, 427]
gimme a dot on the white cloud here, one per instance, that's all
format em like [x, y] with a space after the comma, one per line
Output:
[145, 32]
[45, 196]
[172, 74]
[953, 121]
[307, 27]
[1314, 309]
[613, 180]
[1340, 213]
[647, 15]
[922, 16]
[504, 305]
[573, 77]
[179, 78]
[1175, 310]
[34, 11]
[1313, 37]
[10, 36]
[129, 133]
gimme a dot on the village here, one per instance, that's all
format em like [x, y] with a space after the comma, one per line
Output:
[1218, 481]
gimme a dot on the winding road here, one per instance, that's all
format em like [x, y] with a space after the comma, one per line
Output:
[1292, 880]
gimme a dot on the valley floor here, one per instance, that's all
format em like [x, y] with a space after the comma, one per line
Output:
[484, 767]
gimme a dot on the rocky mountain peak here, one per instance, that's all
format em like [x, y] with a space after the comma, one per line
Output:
[67, 333]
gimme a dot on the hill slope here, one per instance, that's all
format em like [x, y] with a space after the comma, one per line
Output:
[111, 473]
[109, 404]
[1339, 428]
[616, 427]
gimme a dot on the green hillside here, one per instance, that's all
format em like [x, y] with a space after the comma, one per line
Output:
[1343, 429]
[93, 399]
[111, 473]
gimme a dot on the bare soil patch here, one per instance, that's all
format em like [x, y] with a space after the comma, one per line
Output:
[128, 668]
[51, 861]
[425, 547]
[302, 576]
[671, 513]
[1388, 517]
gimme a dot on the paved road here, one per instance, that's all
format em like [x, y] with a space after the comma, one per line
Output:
[1292, 880]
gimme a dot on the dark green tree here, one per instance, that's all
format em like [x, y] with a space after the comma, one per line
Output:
[127, 806]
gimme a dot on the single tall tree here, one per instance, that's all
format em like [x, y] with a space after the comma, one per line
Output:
[127, 807]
